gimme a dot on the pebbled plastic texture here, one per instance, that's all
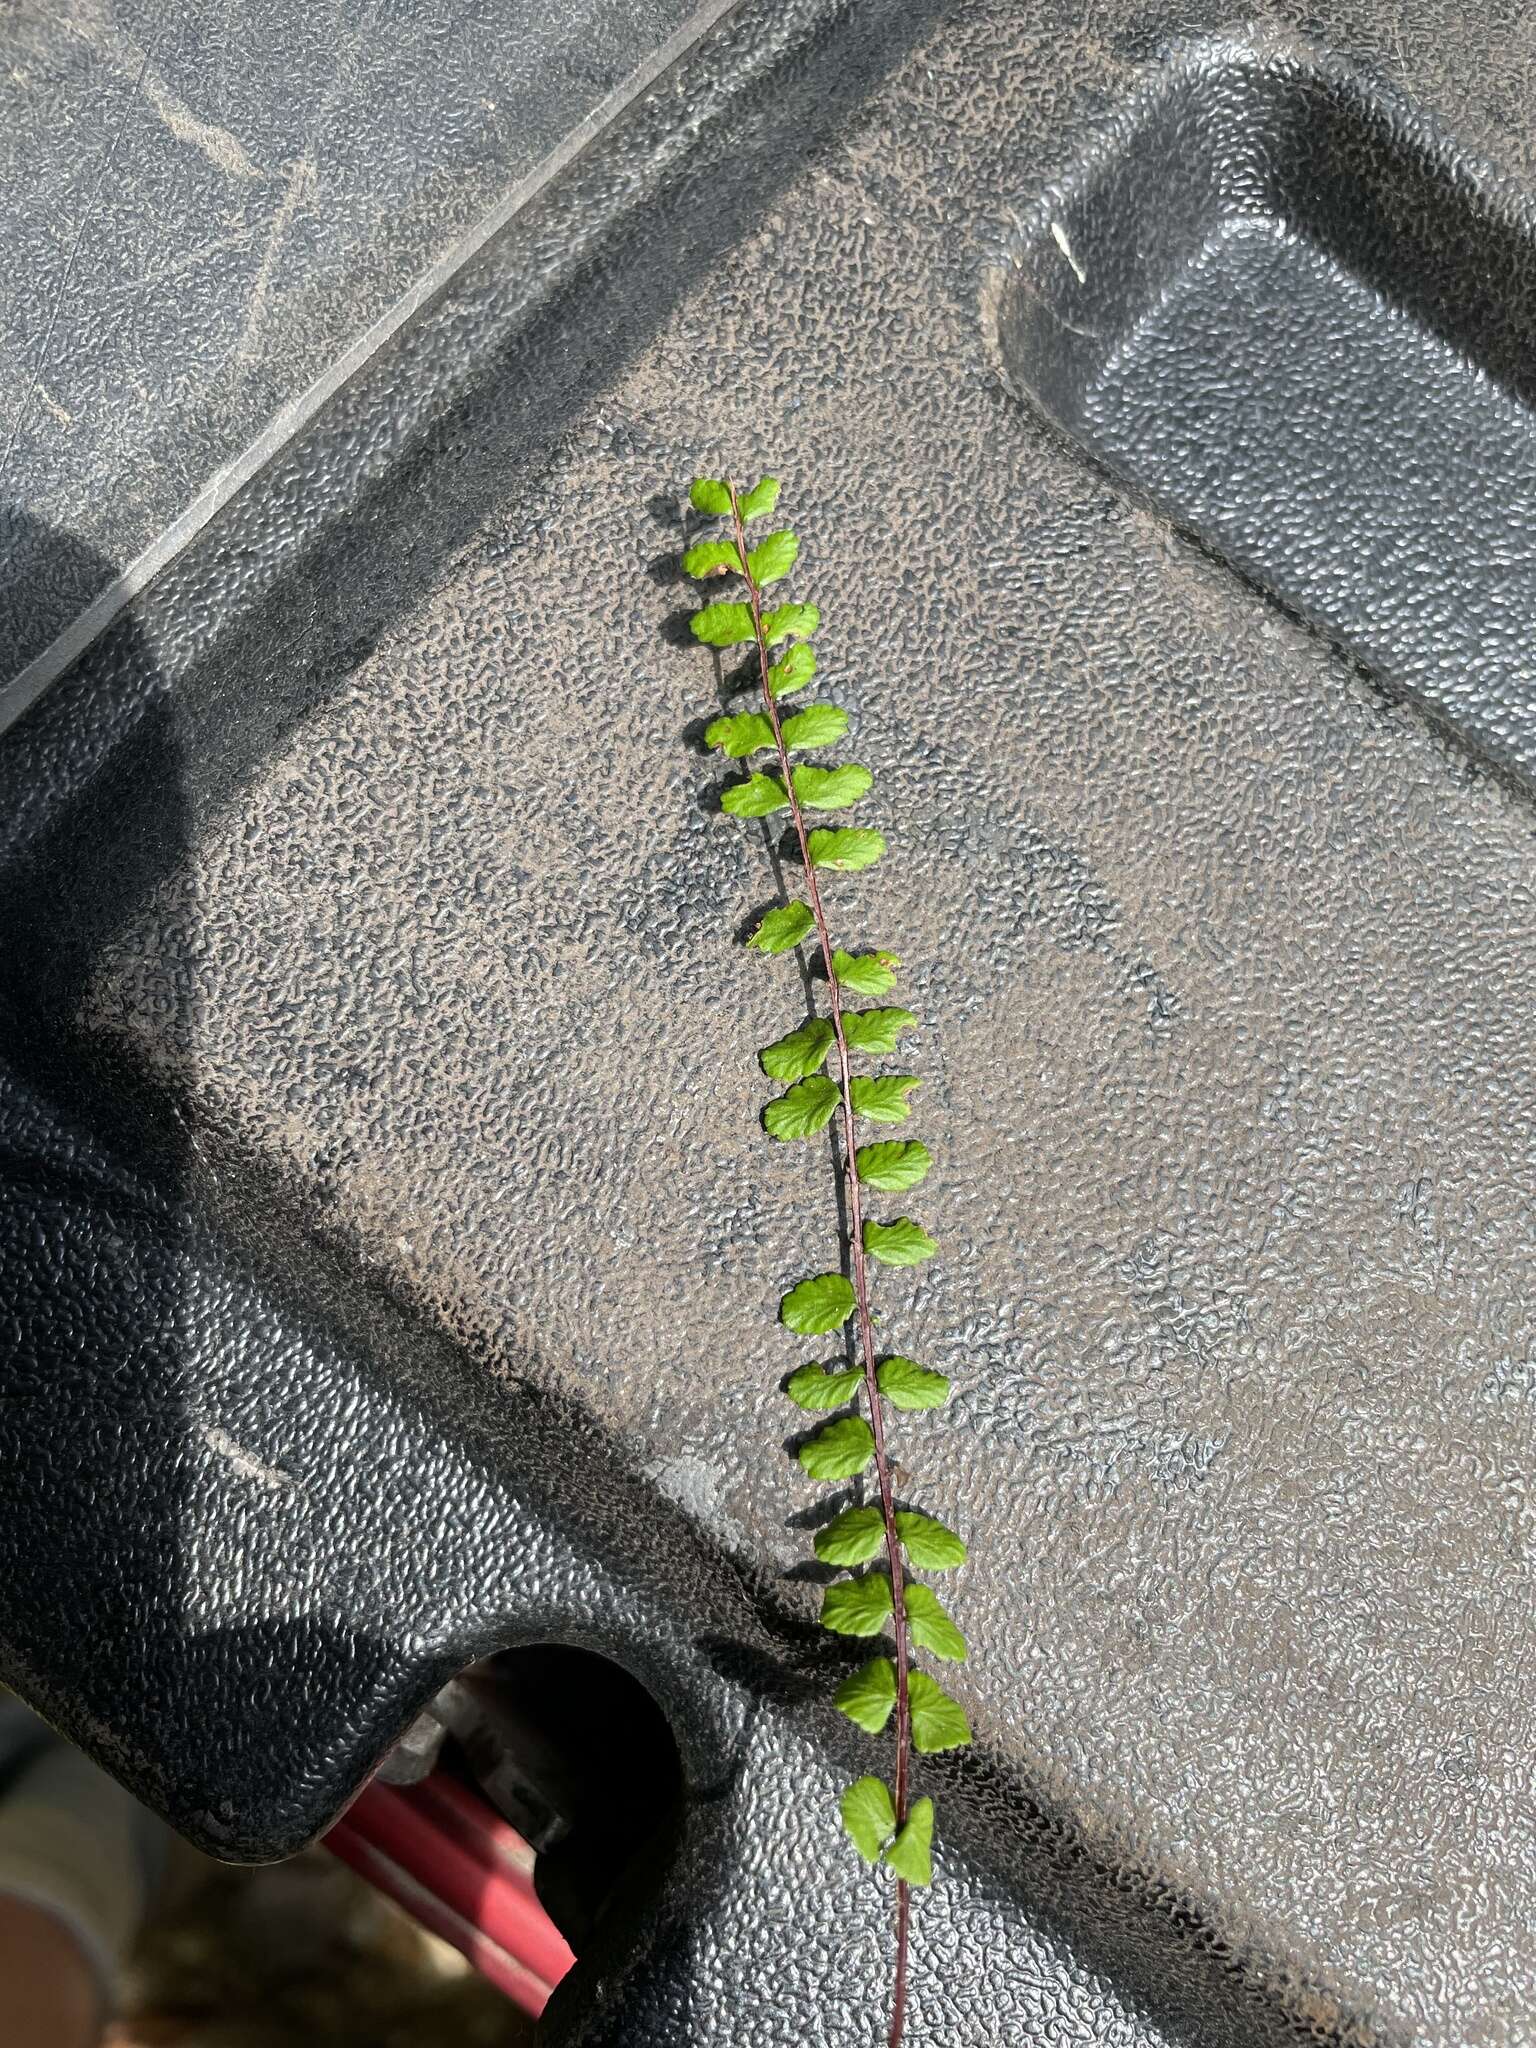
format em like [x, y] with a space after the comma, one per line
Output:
[389, 1250]
[1368, 452]
[203, 212]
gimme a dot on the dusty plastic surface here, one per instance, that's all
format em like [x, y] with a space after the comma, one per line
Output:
[205, 208]
[411, 1289]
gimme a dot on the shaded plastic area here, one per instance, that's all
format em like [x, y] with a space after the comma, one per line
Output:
[550, 1731]
[1288, 308]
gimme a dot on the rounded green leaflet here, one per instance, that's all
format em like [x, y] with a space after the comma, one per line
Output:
[857, 1607]
[789, 925]
[760, 499]
[911, 1854]
[868, 1816]
[938, 1722]
[799, 1053]
[802, 1111]
[840, 1451]
[722, 625]
[857, 1535]
[931, 1547]
[930, 1627]
[709, 557]
[758, 797]
[867, 974]
[902, 1243]
[893, 1164]
[786, 620]
[811, 1388]
[818, 1305]
[868, 1694]
[875, 1031]
[831, 789]
[747, 732]
[883, 1097]
[818, 725]
[773, 558]
[906, 1384]
[708, 494]
[793, 670]
[845, 848]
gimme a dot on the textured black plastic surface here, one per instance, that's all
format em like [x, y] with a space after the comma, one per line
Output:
[203, 210]
[1284, 305]
[391, 1251]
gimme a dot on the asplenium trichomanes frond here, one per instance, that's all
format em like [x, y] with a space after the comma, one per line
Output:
[886, 1825]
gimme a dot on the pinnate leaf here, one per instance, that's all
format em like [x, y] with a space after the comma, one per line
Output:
[773, 558]
[845, 848]
[857, 1535]
[758, 797]
[792, 671]
[868, 1817]
[708, 494]
[883, 1098]
[782, 928]
[722, 625]
[799, 1053]
[873, 1031]
[818, 725]
[867, 974]
[938, 1722]
[931, 1628]
[892, 1164]
[812, 1388]
[906, 1384]
[740, 735]
[802, 1111]
[857, 1607]
[911, 1854]
[868, 1695]
[788, 621]
[818, 1305]
[709, 557]
[931, 1547]
[760, 499]
[902, 1243]
[831, 789]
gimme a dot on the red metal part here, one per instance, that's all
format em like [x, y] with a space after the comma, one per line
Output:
[438, 1850]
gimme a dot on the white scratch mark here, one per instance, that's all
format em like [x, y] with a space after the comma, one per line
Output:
[1059, 237]
[125, 56]
[245, 1462]
[217, 144]
[297, 191]
[65, 419]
